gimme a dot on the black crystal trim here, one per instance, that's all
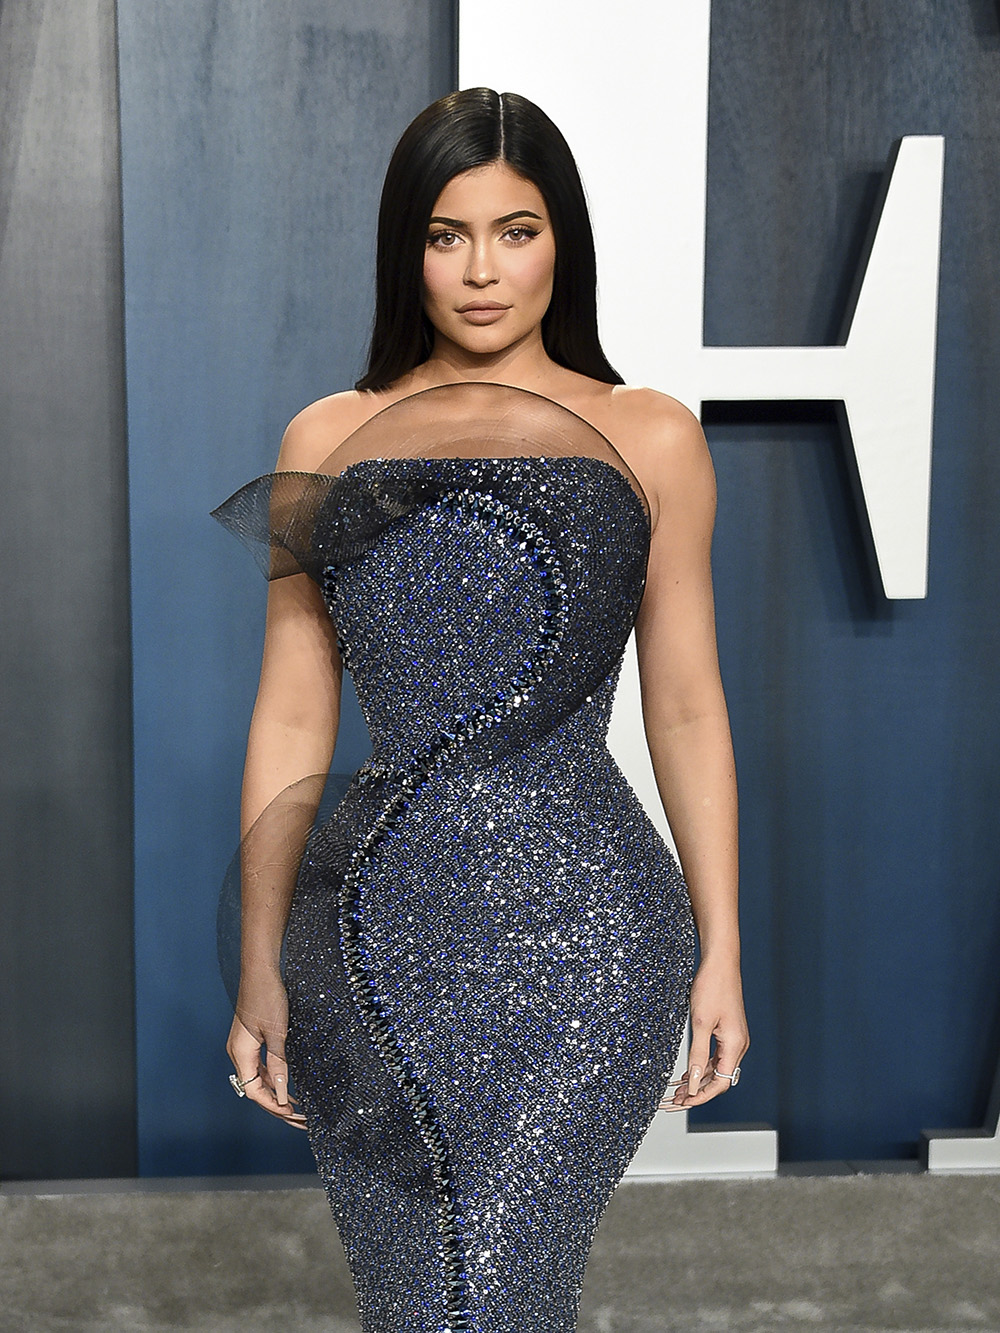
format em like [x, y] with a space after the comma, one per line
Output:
[431, 759]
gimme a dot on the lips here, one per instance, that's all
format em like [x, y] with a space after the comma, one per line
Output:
[481, 305]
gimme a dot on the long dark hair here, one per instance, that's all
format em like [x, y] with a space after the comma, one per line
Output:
[457, 132]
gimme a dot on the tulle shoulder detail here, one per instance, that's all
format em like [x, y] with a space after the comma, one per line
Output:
[261, 878]
[276, 516]
[298, 522]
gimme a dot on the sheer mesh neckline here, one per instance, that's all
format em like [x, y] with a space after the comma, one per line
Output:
[486, 410]
[486, 384]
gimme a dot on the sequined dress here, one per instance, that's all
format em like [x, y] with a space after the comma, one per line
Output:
[490, 948]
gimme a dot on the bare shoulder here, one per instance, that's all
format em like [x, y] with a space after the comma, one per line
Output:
[663, 443]
[316, 431]
[652, 422]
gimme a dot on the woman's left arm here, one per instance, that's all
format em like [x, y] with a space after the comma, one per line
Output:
[687, 730]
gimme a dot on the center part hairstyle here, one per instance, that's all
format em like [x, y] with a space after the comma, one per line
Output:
[454, 134]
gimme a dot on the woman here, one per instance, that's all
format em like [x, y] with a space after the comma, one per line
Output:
[490, 949]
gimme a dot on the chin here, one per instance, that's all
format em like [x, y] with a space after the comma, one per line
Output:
[486, 345]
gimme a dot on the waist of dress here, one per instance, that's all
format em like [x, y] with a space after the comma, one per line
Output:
[381, 766]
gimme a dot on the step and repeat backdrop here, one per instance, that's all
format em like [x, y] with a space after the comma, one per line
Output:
[187, 210]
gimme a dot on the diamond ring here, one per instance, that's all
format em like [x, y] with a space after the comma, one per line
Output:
[238, 1086]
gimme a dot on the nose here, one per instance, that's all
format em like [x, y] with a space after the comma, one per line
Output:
[481, 269]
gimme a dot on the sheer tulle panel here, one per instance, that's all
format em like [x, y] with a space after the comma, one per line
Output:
[259, 886]
[477, 420]
[275, 518]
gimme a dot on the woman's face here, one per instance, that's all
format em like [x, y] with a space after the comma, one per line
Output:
[489, 259]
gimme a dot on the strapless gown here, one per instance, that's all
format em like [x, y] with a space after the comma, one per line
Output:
[490, 949]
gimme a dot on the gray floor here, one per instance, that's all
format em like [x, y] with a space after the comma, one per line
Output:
[851, 1253]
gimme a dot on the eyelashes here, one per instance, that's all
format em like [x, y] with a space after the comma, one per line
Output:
[517, 235]
[436, 239]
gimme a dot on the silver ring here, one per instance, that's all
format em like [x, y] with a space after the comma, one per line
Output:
[238, 1086]
[734, 1077]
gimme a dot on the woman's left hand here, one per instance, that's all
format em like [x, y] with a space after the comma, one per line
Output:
[716, 1011]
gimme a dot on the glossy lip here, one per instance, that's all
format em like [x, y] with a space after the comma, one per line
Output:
[481, 305]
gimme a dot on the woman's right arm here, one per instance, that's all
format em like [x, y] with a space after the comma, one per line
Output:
[293, 732]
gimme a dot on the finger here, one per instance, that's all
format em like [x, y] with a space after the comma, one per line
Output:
[247, 1067]
[727, 1070]
[675, 1100]
[277, 1069]
[713, 1085]
[698, 1062]
[266, 1098]
[276, 1066]
[277, 1076]
[674, 1084]
[270, 1091]
[674, 1097]
[691, 1076]
[683, 1098]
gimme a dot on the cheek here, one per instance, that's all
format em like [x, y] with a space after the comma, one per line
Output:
[535, 271]
[430, 280]
[437, 275]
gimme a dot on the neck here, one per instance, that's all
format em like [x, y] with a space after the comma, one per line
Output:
[521, 364]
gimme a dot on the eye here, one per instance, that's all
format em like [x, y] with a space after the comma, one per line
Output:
[520, 233]
[443, 240]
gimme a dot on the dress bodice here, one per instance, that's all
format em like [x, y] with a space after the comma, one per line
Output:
[482, 553]
[458, 603]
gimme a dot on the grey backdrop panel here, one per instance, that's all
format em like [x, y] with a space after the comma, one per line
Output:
[67, 1101]
[254, 139]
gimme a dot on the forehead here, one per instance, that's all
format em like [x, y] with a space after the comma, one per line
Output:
[489, 191]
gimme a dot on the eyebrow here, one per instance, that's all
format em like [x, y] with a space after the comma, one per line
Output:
[497, 222]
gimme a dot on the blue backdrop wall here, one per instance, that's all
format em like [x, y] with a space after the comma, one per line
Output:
[253, 140]
[866, 731]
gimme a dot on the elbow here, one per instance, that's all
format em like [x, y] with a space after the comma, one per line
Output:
[297, 713]
[668, 714]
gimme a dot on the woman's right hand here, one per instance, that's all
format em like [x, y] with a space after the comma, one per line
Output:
[258, 1053]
